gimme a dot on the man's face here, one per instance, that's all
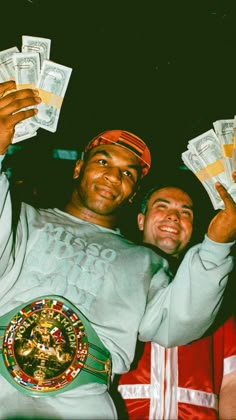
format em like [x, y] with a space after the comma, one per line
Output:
[168, 222]
[106, 179]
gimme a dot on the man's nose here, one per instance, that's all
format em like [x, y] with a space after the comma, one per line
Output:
[173, 215]
[113, 174]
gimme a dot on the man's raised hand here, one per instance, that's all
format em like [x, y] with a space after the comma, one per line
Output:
[12, 104]
[222, 228]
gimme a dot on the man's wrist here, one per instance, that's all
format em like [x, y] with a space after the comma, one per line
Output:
[217, 251]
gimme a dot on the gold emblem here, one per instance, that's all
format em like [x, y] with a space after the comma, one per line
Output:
[45, 346]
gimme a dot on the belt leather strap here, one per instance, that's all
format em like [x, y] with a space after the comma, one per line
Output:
[48, 346]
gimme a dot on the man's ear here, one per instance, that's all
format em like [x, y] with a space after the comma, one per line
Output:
[140, 221]
[77, 168]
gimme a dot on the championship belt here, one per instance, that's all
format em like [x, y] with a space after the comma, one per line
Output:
[48, 346]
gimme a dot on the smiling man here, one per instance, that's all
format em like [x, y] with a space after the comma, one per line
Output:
[73, 275]
[110, 180]
[166, 219]
[195, 381]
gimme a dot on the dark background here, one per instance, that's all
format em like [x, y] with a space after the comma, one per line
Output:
[164, 70]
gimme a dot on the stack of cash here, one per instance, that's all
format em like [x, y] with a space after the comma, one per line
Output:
[212, 157]
[32, 68]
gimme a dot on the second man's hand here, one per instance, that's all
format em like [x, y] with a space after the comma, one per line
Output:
[222, 227]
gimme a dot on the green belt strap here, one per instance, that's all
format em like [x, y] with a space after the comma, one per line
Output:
[48, 346]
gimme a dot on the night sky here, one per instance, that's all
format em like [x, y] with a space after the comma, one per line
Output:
[164, 70]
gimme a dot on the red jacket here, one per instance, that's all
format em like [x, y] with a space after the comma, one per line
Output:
[181, 382]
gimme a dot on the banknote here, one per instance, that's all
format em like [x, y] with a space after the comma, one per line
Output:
[204, 157]
[27, 70]
[24, 129]
[32, 68]
[234, 146]
[52, 85]
[7, 71]
[225, 132]
[3, 73]
[42, 46]
[197, 166]
[207, 148]
[22, 132]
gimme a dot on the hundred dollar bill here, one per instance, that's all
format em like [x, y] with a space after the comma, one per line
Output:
[36, 44]
[225, 133]
[224, 128]
[7, 71]
[196, 165]
[27, 70]
[208, 149]
[52, 85]
[3, 73]
[204, 159]
[22, 133]
[234, 146]
[24, 130]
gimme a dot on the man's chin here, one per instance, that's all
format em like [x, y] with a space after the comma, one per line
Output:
[169, 247]
[106, 212]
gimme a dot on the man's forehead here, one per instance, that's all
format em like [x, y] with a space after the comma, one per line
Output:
[171, 194]
[115, 151]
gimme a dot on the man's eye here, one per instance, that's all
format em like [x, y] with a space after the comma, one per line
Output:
[102, 161]
[161, 206]
[186, 213]
[127, 173]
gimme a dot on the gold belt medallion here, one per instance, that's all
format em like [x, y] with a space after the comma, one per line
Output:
[45, 346]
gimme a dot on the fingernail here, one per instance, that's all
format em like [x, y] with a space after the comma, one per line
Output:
[36, 92]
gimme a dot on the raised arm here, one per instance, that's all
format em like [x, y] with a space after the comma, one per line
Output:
[11, 103]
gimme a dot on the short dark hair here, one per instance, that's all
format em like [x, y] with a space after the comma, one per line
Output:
[147, 196]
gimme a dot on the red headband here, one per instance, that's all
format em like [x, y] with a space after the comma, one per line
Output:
[127, 140]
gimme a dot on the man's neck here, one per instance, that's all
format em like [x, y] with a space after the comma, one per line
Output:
[107, 221]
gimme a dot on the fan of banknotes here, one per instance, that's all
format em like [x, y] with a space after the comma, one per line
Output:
[32, 68]
[212, 157]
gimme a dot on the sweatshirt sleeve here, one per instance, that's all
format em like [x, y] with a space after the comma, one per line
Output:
[6, 236]
[181, 311]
